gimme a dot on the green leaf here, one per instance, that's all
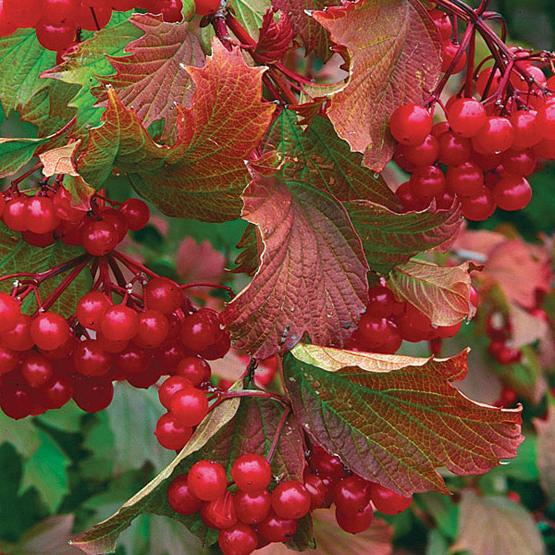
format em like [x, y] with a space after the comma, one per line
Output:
[22, 60]
[17, 255]
[45, 471]
[89, 62]
[138, 410]
[391, 238]
[443, 511]
[66, 419]
[250, 14]
[102, 538]
[394, 419]
[437, 544]
[100, 442]
[15, 153]
[22, 434]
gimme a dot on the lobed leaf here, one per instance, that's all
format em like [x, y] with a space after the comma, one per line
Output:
[312, 277]
[203, 174]
[15, 153]
[250, 14]
[60, 160]
[442, 293]
[397, 59]
[391, 238]
[152, 80]
[495, 525]
[395, 420]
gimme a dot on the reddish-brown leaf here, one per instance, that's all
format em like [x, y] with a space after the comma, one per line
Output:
[394, 419]
[203, 174]
[276, 37]
[312, 277]
[153, 79]
[394, 51]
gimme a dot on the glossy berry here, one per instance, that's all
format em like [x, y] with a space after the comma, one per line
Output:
[388, 502]
[170, 387]
[49, 331]
[519, 162]
[373, 332]
[93, 394]
[413, 325]
[478, 207]
[454, 150]
[466, 180]
[206, 7]
[8, 360]
[317, 490]
[15, 213]
[91, 359]
[251, 473]
[277, 530]
[180, 497]
[357, 522]
[16, 401]
[326, 465]
[9, 312]
[19, 338]
[189, 406]
[36, 370]
[136, 212]
[152, 329]
[512, 193]
[220, 513]
[382, 302]
[351, 494]
[466, 117]
[527, 128]
[252, 508]
[238, 540]
[119, 323]
[496, 135]
[195, 370]
[200, 330]
[91, 308]
[410, 124]
[424, 154]
[171, 434]
[55, 35]
[503, 353]
[99, 238]
[443, 23]
[546, 120]
[427, 182]
[163, 294]
[207, 480]
[290, 500]
[449, 52]
[41, 216]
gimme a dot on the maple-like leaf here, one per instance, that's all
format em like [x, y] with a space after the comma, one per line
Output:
[495, 525]
[316, 155]
[276, 36]
[203, 174]
[250, 13]
[312, 277]
[391, 238]
[395, 57]
[60, 160]
[395, 420]
[546, 450]
[442, 293]
[152, 79]
[315, 38]
[15, 153]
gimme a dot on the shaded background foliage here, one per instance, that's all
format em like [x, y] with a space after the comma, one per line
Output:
[83, 467]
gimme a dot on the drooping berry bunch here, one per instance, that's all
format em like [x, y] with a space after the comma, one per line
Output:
[497, 129]
[388, 321]
[57, 22]
[250, 512]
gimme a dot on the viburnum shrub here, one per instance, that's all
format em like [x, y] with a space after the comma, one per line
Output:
[141, 116]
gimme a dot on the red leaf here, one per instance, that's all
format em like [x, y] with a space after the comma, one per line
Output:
[276, 37]
[394, 52]
[312, 277]
[203, 174]
[153, 79]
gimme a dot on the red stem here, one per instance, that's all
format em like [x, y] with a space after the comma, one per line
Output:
[277, 435]
[207, 284]
[64, 284]
[132, 264]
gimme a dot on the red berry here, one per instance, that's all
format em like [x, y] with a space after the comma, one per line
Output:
[136, 212]
[317, 489]
[9, 312]
[453, 150]
[252, 508]
[497, 135]
[450, 50]
[171, 10]
[55, 35]
[163, 294]
[36, 369]
[238, 540]
[16, 401]
[91, 359]
[152, 330]
[49, 331]
[41, 216]
[39, 239]
[132, 360]
[326, 465]
[200, 330]
[195, 370]
[466, 180]
[388, 502]
[545, 149]
[277, 530]
[519, 162]
[373, 332]
[527, 128]
[145, 379]
[171, 434]
[19, 337]
[15, 213]
[410, 124]
[120, 323]
[414, 325]
[443, 23]
[207, 480]
[427, 182]
[170, 387]
[58, 392]
[207, 7]
[93, 394]
[466, 117]
[189, 406]
[382, 302]
[479, 207]
[117, 220]
[93, 17]
[546, 120]
[8, 360]
[251, 473]
[220, 513]
[91, 308]
[99, 238]
[424, 154]
[357, 522]
[180, 497]
[512, 193]
[486, 81]
[219, 348]
[290, 500]
[503, 353]
[351, 494]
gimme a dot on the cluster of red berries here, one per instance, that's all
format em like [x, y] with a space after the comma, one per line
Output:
[57, 22]
[49, 215]
[449, 44]
[45, 359]
[499, 331]
[388, 321]
[249, 516]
